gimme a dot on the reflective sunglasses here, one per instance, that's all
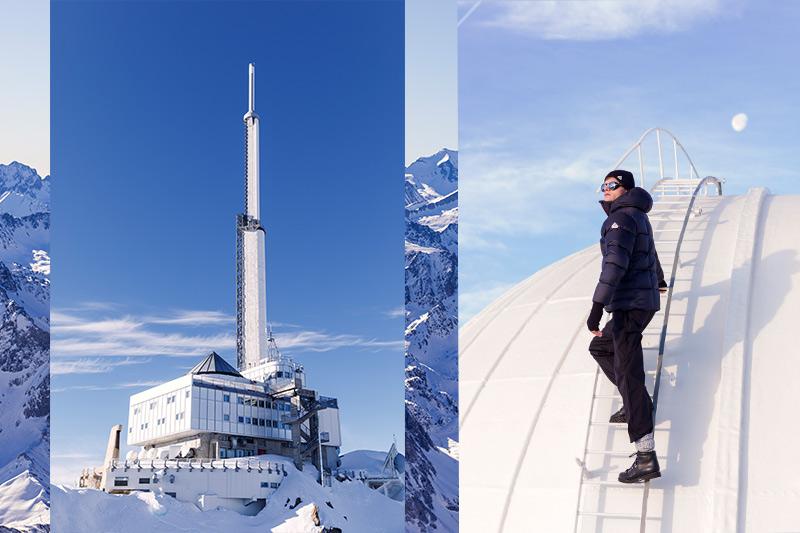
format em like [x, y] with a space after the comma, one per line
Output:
[610, 186]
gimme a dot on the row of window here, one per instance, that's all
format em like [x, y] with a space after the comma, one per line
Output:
[255, 402]
[258, 422]
[170, 399]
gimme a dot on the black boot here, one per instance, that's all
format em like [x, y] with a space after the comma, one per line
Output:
[619, 417]
[644, 467]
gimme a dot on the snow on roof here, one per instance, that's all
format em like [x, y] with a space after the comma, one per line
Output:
[351, 506]
[725, 404]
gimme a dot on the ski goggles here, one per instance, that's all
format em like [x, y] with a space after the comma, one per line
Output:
[610, 186]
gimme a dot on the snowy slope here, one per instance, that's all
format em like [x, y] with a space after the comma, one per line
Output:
[350, 506]
[24, 349]
[431, 342]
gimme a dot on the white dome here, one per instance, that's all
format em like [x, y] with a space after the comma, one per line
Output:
[726, 425]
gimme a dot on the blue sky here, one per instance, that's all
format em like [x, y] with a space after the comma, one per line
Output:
[431, 77]
[148, 161]
[552, 93]
[25, 87]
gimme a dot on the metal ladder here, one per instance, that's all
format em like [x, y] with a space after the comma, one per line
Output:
[676, 196]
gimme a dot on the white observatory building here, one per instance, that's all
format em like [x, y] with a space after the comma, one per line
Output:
[192, 431]
[537, 451]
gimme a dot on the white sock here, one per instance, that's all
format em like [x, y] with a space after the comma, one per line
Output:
[646, 443]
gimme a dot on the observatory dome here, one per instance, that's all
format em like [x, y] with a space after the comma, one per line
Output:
[537, 452]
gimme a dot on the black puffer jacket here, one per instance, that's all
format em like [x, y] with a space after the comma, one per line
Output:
[629, 278]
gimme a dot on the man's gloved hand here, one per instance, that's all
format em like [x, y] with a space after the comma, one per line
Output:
[594, 317]
[662, 286]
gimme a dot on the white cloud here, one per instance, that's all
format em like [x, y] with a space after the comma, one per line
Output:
[194, 318]
[318, 341]
[110, 386]
[81, 333]
[397, 312]
[91, 366]
[597, 20]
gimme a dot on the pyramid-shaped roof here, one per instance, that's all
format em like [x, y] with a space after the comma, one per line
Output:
[214, 364]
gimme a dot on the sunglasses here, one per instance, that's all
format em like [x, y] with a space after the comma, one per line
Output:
[610, 186]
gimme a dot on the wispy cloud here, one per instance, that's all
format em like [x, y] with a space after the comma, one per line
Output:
[397, 312]
[110, 386]
[83, 332]
[91, 366]
[319, 341]
[593, 20]
[194, 318]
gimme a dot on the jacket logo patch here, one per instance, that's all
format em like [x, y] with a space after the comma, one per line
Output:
[614, 226]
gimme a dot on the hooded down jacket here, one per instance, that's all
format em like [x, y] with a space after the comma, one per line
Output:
[629, 278]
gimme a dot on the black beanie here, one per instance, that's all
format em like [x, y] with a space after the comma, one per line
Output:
[624, 177]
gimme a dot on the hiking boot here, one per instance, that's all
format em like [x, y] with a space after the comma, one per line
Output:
[619, 417]
[643, 468]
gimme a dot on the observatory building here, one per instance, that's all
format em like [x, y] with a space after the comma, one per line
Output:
[537, 450]
[192, 431]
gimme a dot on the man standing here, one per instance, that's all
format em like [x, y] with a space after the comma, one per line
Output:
[629, 289]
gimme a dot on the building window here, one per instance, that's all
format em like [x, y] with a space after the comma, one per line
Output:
[187, 393]
[144, 481]
[247, 420]
[121, 481]
[226, 418]
[273, 485]
[240, 400]
[136, 410]
[241, 419]
[179, 416]
[152, 405]
[226, 397]
[261, 422]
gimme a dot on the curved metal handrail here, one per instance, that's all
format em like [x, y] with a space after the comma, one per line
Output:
[708, 180]
[676, 144]
[705, 182]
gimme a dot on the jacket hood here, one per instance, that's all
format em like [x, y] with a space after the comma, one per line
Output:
[636, 197]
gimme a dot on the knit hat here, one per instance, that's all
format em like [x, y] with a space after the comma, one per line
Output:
[624, 177]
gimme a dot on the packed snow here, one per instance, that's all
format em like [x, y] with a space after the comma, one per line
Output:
[299, 505]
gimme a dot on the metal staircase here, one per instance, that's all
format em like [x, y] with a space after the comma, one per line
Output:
[603, 502]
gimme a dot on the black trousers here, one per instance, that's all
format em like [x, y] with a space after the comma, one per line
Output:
[619, 354]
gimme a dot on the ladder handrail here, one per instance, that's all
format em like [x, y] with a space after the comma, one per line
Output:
[663, 339]
[676, 144]
[708, 180]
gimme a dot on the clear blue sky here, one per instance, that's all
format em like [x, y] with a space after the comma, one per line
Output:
[25, 86]
[551, 94]
[147, 108]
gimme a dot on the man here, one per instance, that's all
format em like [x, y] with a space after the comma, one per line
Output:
[629, 289]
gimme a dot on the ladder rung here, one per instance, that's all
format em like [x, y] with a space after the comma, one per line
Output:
[621, 453]
[611, 515]
[664, 426]
[609, 483]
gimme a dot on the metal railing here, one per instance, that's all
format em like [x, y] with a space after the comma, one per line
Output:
[662, 342]
[666, 187]
[200, 465]
[677, 149]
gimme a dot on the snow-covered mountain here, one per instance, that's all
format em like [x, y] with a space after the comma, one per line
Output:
[431, 266]
[24, 349]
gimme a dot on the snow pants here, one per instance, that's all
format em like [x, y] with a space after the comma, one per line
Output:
[619, 354]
